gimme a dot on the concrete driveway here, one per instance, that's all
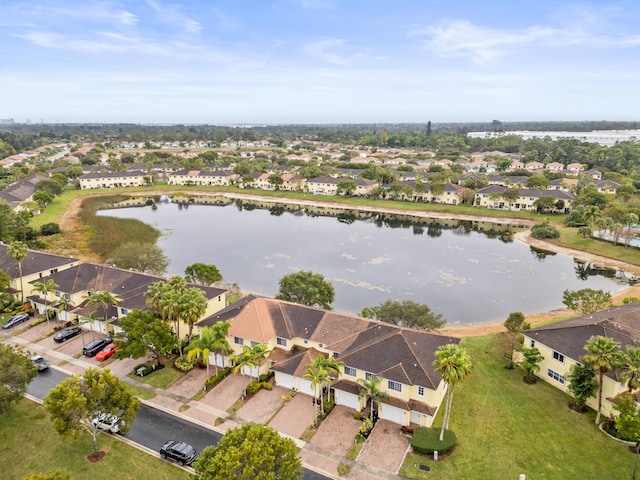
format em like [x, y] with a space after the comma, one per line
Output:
[263, 405]
[295, 416]
[385, 448]
[190, 384]
[226, 393]
[338, 431]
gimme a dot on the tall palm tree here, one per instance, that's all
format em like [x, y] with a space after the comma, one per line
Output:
[454, 364]
[46, 288]
[317, 376]
[18, 251]
[332, 366]
[220, 343]
[371, 391]
[249, 357]
[103, 300]
[631, 375]
[603, 354]
[209, 341]
[193, 305]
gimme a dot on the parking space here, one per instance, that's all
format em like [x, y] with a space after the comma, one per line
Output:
[263, 405]
[190, 384]
[295, 416]
[385, 448]
[226, 393]
[33, 334]
[338, 431]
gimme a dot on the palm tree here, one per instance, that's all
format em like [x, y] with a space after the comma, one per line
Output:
[317, 376]
[332, 366]
[371, 391]
[592, 214]
[454, 364]
[249, 357]
[103, 300]
[209, 341]
[18, 251]
[193, 305]
[603, 354]
[220, 344]
[631, 375]
[46, 288]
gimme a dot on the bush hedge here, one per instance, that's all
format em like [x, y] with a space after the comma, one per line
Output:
[184, 363]
[544, 230]
[217, 378]
[427, 440]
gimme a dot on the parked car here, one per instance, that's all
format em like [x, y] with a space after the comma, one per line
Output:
[93, 347]
[108, 422]
[15, 320]
[180, 452]
[39, 362]
[106, 352]
[63, 335]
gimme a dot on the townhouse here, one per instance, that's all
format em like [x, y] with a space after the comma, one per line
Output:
[492, 197]
[401, 358]
[562, 346]
[99, 180]
[202, 177]
[329, 185]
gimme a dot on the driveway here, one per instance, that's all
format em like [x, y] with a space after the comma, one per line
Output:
[295, 416]
[385, 448]
[263, 405]
[190, 384]
[338, 431]
[226, 393]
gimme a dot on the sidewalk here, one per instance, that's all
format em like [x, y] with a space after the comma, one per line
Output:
[204, 412]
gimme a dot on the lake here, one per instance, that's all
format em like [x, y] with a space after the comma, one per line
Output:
[470, 272]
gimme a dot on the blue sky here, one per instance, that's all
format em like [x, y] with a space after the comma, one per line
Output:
[319, 61]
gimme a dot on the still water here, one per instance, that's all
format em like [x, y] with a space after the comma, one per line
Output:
[468, 272]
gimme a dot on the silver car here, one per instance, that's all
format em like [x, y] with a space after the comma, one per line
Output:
[40, 362]
[108, 422]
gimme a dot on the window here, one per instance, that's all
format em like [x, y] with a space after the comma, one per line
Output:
[305, 341]
[124, 311]
[394, 386]
[253, 344]
[321, 345]
[532, 344]
[558, 356]
[370, 376]
[555, 375]
[350, 371]
[421, 391]
[335, 354]
[238, 341]
[281, 341]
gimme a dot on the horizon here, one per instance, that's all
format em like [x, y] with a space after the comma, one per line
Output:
[318, 62]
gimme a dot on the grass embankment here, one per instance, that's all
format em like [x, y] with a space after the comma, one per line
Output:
[506, 427]
[30, 444]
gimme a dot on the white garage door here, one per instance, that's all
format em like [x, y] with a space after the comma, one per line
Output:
[393, 414]
[284, 380]
[216, 359]
[304, 386]
[416, 417]
[252, 372]
[347, 399]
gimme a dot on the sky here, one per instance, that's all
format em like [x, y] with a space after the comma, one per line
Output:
[319, 61]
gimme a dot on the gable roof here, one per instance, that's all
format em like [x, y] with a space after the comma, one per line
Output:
[34, 262]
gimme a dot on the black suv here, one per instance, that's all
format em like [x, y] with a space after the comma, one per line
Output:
[93, 347]
[180, 452]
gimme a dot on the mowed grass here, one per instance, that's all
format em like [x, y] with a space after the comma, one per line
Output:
[506, 427]
[163, 378]
[30, 444]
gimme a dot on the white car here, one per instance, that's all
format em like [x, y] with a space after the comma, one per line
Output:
[39, 362]
[108, 422]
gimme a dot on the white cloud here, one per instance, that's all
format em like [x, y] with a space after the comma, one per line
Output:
[331, 50]
[172, 14]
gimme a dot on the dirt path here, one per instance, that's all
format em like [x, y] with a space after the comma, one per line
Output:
[70, 223]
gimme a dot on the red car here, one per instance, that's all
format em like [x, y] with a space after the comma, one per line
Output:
[106, 352]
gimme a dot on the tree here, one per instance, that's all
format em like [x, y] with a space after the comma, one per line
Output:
[18, 251]
[405, 314]
[103, 299]
[371, 392]
[211, 340]
[582, 384]
[511, 195]
[46, 288]
[586, 300]
[627, 422]
[603, 354]
[250, 357]
[545, 203]
[16, 371]
[332, 366]
[318, 376]
[631, 374]
[250, 452]
[306, 288]
[77, 400]
[454, 364]
[57, 474]
[515, 324]
[5, 281]
[144, 333]
[140, 256]
[202, 274]
[346, 186]
[166, 299]
[193, 305]
[531, 357]
[276, 181]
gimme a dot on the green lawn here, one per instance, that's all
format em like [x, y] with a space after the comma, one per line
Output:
[506, 427]
[161, 378]
[30, 444]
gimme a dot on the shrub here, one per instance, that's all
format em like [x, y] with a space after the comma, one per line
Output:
[366, 427]
[627, 423]
[328, 406]
[629, 300]
[49, 229]
[427, 440]
[357, 415]
[544, 230]
[184, 363]
[217, 378]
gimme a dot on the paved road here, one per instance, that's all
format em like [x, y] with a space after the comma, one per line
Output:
[152, 427]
